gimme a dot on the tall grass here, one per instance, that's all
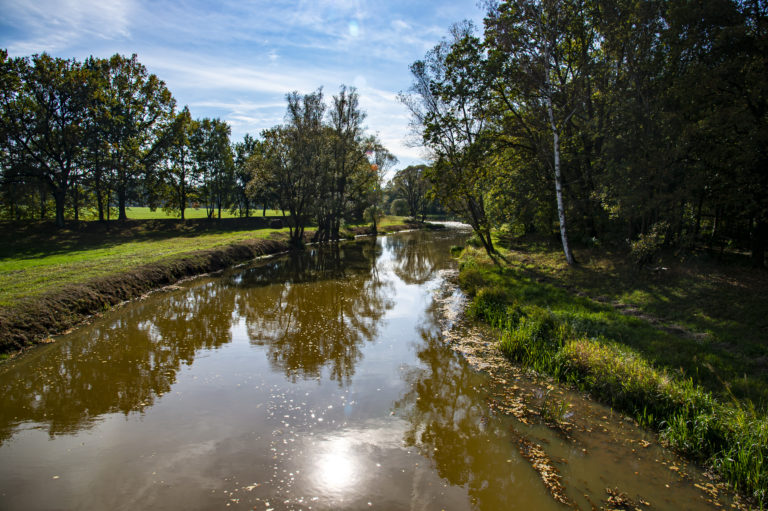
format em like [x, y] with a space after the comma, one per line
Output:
[585, 344]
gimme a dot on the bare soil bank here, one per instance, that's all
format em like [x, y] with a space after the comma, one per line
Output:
[33, 320]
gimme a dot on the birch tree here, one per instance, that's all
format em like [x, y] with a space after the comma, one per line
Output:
[539, 64]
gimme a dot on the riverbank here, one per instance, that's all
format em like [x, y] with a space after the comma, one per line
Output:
[625, 360]
[51, 279]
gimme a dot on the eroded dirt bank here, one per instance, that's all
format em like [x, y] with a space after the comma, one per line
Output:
[34, 320]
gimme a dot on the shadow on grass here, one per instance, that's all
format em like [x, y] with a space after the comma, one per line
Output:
[702, 319]
[42, 239]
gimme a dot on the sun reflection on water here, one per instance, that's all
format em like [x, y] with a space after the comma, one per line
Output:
[337, 466]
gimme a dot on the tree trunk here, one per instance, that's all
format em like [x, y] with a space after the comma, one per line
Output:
[183, 199]
[559, 184]
[76, 202]
[43, 201]
[59, 195]
[121, 216]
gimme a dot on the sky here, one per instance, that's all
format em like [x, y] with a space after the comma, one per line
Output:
[236, 60]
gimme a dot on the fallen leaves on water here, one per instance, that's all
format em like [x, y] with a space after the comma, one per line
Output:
[543, 465]
[621, 501]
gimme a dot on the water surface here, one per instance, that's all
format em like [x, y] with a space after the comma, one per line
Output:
[307, 381]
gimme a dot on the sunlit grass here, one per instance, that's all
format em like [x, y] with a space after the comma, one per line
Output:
[51, 268]
[39, 264]
[676, 384]
[144, 213]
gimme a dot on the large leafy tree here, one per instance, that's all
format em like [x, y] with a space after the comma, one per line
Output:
[45, 104]
[136, 110]
[216, 164]
[448, 101]
[181, 172]
[348, 148]
[412, 184]
[242, 151]
[542, 52]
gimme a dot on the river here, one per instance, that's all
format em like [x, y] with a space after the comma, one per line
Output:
[322, 380]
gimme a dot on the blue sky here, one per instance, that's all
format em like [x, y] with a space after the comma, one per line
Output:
[236, 59]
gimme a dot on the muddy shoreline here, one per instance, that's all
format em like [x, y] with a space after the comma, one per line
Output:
[33, 321]
[559, 428]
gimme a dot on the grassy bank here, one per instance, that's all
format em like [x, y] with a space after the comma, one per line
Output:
[51, 279]
[667, 379]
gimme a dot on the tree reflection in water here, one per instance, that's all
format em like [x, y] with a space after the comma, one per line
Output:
[315, 310]
[447, 415]
[414, 257]
[120, 366]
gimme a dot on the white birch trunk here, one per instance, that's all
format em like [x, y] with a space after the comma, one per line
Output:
[558, 174]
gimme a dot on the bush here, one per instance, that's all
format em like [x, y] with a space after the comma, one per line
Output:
[474, 241]
[647, 246]
[399, 207]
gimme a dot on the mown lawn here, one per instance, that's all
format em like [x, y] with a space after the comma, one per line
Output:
[36, 258]
[144, 213]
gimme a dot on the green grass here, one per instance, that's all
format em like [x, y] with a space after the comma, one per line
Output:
[31, 266]
[34, 259]
[144, 213]
[672, 383]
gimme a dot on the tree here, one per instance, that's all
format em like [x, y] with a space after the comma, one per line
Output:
[541, 60]
[304, 167]
[448, 102]
[137, 107]
[412, 184]
[348, 150]
[381, 160]
[242, 151]
[44, 112]
[181, 173]
[216, 163]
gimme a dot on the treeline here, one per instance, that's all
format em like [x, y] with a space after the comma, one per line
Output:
[103, 134]
[320, 165]
[408, 193]
[608, 121]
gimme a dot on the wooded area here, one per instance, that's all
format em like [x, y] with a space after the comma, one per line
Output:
[608, 121]
[103, 134]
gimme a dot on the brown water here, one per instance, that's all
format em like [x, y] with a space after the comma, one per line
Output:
[315, 381]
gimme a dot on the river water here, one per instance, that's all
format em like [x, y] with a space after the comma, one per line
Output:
[323, 380]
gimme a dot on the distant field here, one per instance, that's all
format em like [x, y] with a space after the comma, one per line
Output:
[144, 213]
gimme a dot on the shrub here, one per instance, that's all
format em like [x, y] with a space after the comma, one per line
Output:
[399, 207]
[647, 246]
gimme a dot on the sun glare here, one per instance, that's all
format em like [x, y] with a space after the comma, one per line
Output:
[336, 466]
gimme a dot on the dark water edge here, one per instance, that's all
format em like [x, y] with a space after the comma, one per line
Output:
[323, 380]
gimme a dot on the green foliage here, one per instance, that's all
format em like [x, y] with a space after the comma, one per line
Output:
[535, 125]
[399, 207]
[576, 341]
[647, 246]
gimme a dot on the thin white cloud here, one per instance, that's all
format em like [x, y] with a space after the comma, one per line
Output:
[236, 60]
[53, 24]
